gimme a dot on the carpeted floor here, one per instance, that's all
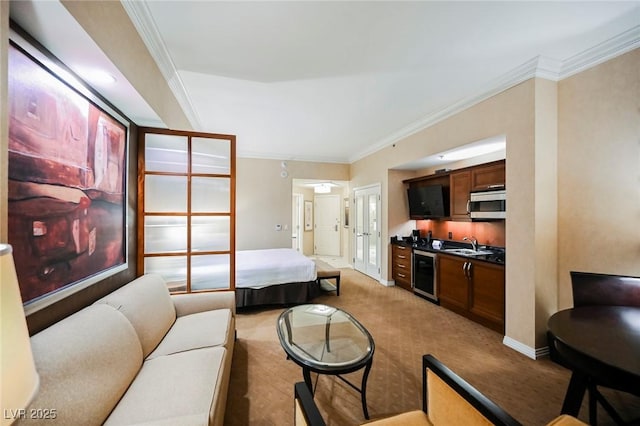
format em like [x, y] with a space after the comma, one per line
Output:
[404, 328]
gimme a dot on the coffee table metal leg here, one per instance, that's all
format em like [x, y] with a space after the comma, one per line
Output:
[327, 327]
[363, 390]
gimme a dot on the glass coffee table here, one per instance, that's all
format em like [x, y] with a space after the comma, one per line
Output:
[327, 340]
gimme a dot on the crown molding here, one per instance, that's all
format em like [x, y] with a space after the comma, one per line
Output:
[143, 21]
[609, 49]
[540, 66]
[310, 159]
[516, 76]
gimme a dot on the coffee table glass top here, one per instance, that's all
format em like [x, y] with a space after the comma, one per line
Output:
[323, 337]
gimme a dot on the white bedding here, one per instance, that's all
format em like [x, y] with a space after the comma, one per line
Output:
[262, 268]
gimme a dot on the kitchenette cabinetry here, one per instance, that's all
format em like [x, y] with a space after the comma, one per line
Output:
[401, 265]
[460, 188]
[488, 176]
[453, 283]
[474, 289]
[460, 183]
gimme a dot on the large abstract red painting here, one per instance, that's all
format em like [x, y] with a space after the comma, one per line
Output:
[67, 180]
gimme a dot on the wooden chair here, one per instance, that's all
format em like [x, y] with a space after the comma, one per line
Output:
[602, 289]
[447, 399]
[591, 289]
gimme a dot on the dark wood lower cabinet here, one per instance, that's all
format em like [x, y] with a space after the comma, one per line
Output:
[401, 265]
[474, 289]
[453, 283]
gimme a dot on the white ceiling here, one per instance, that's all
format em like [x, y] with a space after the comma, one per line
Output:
[335, 81]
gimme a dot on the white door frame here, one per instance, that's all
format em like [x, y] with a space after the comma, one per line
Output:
[372, 269]
[297, 235]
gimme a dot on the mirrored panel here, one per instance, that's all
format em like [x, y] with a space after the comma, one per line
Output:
[210, 233]
[210, 195]
[165, 234]
[210, 272]
[165, 153]
[165, 194]
[172, 268]
[211, 156]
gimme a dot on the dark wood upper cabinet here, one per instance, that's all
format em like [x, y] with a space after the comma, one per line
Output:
[488, 176]
[460, 188]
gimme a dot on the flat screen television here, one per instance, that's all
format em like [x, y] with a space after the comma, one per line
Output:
[428, 202]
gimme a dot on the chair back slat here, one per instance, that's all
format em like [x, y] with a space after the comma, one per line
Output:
[602, 289]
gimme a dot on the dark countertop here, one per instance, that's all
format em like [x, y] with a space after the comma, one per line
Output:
[497, 255]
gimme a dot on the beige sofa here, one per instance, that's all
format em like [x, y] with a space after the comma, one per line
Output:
[138, 356]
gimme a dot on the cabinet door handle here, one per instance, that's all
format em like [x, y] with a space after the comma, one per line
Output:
[402, 248]
[466, 268]
[401, 266]
[401, 256]
[402, 275]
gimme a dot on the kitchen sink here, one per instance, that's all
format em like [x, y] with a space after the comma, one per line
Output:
[467, 252]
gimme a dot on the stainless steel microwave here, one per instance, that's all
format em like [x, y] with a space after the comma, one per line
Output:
[488, 204]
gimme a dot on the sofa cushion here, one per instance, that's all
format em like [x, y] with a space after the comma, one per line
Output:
[85, 363]
[181, 387]
[201, 330]
[145, 301]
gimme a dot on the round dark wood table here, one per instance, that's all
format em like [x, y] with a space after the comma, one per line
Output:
[601, 344]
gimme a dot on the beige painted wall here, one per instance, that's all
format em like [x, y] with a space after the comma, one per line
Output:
[599, 171]
[597, 177]
[263, 199]
[110, 27]
[573, 173]
[511, 113]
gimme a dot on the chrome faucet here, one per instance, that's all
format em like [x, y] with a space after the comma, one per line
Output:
[473, 241]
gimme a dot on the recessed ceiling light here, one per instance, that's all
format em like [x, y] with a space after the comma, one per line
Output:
[97, 77]
[472, 151]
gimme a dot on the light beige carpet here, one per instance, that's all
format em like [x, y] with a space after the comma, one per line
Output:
[404, 328]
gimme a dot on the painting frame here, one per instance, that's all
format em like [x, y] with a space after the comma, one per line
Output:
[308, 215]
[346, 212]
[81, 237]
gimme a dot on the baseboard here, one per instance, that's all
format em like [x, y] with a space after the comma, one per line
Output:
[528, 351]
[387, 283]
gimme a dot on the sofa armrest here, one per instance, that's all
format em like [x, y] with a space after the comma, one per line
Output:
[306, 410]
[192, 303]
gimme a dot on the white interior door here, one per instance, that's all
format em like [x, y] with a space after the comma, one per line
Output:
[296, 220]
[367, 231]
[326, 218]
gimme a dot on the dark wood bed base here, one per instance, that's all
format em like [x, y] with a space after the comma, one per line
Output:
[278, 294]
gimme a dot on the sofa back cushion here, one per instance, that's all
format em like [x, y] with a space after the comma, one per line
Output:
[146, 302]
[85, 362]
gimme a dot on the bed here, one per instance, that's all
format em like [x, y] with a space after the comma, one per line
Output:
[278, 276]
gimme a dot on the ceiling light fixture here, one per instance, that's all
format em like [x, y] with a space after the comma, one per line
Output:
[472, 151]
[98, 77]
[323, 188]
